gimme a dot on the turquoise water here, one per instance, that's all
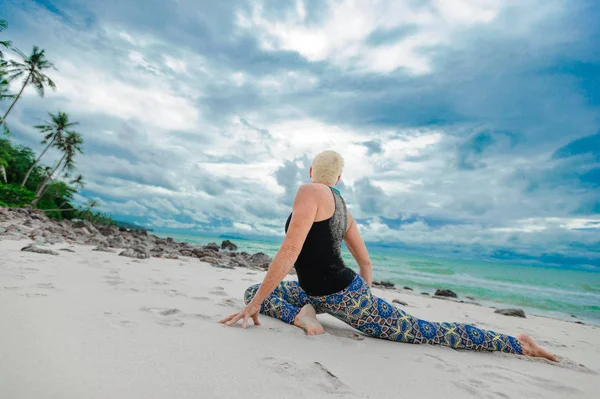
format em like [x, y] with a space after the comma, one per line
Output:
[544, 291]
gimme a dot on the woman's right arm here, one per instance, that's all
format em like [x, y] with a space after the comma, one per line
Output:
[357, 248]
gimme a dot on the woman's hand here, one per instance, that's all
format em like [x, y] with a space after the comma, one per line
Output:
[250, 311]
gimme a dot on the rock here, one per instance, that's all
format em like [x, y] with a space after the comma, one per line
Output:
[511, 312]
[103, 249]
[85, 224]
[384, 284]
[398, 301]
[109, 231]
[228, 245]
[204, 251]
[213, 246]
[238, 260]
[407, 288]
[66, 250]
[117, 242]
[470, 297]
[211, 259]
[424, 293]
[580, 322]
[38, 250]
[446, 293]
[220, 266]
[136, 252]
[185, 252]
[260, 260]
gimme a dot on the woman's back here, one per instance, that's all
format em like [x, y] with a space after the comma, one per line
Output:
[320, 268]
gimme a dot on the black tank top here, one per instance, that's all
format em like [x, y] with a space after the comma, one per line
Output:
[320, 268]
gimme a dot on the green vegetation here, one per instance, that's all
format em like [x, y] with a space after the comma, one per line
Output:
[25, 182]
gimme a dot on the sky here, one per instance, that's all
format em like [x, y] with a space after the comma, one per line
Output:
[468, 127]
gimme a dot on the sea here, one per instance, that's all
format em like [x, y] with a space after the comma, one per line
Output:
[568, 293]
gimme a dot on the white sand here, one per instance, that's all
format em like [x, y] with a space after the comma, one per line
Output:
[97, 325]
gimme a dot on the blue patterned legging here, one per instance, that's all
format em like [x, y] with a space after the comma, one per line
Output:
[359, 308]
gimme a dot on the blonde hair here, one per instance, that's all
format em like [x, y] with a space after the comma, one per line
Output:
[326, 167]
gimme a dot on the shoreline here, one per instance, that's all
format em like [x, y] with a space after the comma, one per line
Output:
[23, 224]
[530, 311]
[95, 324]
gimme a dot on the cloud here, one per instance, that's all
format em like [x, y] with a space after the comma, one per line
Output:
[466, 125]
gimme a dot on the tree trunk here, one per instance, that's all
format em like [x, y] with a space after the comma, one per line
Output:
[16, 99]
[36, 161]
[45, 182]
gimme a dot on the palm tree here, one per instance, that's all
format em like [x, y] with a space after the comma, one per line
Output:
[32, 69]
[54, 131]
[78, 184]
[70, 145]
[4, 87]
[5, 44]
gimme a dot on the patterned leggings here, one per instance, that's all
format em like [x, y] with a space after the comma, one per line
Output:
[359, 308]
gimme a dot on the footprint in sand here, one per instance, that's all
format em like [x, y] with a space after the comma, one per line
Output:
[310, 374]
[218, 291]
[201, 316]
[160, 282]
[175, 293]
[48, 286]
[166, 316]
[113, 280]
[232, 303]
[33, 294]
[201, 298]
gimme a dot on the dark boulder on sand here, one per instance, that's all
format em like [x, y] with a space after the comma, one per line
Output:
[38, 250]
[213, 246]
[137, 252]
[407, 288]
[228, 245]
[399, 302]
[383, 284]
[260, 260]
[511, 312]
[446, 293]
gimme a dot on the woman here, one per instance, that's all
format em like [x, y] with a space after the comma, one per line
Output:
[314, 232]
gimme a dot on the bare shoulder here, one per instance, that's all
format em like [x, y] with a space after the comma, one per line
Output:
[312, 190]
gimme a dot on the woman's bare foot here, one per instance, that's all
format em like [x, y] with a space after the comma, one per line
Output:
[307, 320]
[530, 348]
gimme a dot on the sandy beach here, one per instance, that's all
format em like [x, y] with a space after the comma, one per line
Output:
[88, 324]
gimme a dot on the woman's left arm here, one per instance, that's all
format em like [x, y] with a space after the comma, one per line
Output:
[303, 216]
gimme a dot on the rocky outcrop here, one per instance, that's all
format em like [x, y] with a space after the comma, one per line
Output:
[446, 293]
[511, 312]
[32, 224]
